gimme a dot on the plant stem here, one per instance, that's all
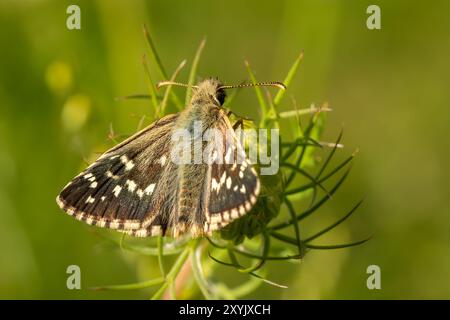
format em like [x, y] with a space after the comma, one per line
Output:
[160, 255]
[172, 274]
[199, 274]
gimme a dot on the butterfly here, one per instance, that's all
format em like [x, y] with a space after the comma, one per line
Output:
[137, 188]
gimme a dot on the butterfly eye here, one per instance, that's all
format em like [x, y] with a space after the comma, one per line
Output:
[220, 96]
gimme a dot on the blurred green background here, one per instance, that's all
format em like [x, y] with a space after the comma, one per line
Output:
[389, 88]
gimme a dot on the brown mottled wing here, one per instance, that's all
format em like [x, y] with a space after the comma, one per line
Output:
[117, 191]
[232, 187]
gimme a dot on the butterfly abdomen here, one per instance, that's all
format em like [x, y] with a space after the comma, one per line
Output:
[190, 215]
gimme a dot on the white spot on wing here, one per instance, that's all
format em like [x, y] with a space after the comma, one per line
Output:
[214, 156]
[93, 185]
[223, 177]
[117, 190]
[256, 192]
[131, 185]
[216, 218]
[109, 174]
[101, 222]
[163, 160]
[228, 156]
[131, 224]
[90, 200]
[214, 184]
[141, 233]
[228, 182]
[155, 231]
[129, 165]
[149, 189]
[114, 224]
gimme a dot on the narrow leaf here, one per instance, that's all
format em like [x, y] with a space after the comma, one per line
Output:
[132, 286]
[259, 95]
[300, 112]
[154, 53]
[338, 246]
[288, 79]
[265, 252]
[169, 87]
[295, 225]
[193, 72]
[134, 96]
[327, 176]
[151, 86]
[315, 207]
[159, 65]
[332, 226]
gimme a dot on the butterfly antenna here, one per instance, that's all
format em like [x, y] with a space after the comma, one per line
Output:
[172, 83]
[260, 84]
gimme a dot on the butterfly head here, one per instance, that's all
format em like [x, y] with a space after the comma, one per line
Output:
[213, 91]
[209, 90]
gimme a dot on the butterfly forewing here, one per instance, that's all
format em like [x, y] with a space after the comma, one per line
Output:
[117, 191]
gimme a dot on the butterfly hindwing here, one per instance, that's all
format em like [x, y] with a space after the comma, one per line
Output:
[232, 187]
[117, 191]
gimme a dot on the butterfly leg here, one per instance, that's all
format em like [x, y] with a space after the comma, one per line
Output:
[238, 124]
[229, 113]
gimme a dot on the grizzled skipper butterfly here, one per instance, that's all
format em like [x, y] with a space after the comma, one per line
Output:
[136, 188]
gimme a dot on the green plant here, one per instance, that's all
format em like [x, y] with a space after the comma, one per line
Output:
[257, 236]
